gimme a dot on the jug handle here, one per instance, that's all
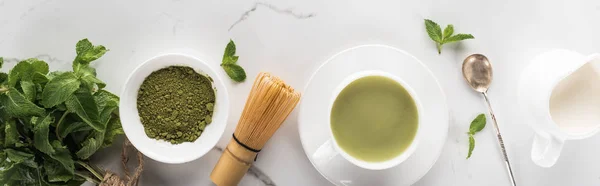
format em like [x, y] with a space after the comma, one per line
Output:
[546, 149]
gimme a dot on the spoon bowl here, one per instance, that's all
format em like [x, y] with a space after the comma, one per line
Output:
[477, 70]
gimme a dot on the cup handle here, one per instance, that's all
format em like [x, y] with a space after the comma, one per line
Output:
[325, 153]
[546, 149]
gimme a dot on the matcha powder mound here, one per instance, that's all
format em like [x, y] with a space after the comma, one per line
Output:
[175, 104]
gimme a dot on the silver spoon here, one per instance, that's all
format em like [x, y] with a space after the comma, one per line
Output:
[477, 70]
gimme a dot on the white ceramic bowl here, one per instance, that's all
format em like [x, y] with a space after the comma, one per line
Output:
[160, 150]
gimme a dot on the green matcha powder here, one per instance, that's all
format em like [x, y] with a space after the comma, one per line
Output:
[175, 104]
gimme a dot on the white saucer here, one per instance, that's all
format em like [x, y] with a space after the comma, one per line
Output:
[313, 124]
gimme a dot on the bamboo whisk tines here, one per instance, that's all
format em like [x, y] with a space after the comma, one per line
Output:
[270, 102]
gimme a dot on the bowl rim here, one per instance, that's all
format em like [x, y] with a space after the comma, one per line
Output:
[222, 101]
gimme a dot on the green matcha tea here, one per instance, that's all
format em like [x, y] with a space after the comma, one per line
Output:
[374, 119]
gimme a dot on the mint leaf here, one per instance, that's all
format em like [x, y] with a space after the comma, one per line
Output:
[29, 90]
[3, 77]
[235, 72]
[63, 157]
[229, 55]
[59, 89]
[11, 134]
[458, 37]
[86, 53]
[41, 130]
[91, 145]
[435, 33]
[83, 104]
[113, 128]
[25, 70]
[39, 78]
[54, 74]
[15, 74]
[230, 60]
[55, 171]
[477, 124]
[36, 66]
[104, 98]
[16, 157]
[471, 145]
[448, 31]
[66, 129]
[433, 30]
[17, 105]
[83, 46]
[88, 78]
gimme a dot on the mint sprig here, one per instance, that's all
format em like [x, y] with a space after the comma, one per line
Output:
[476, 125]
[229, 64]
[435, 33]
[52, 122]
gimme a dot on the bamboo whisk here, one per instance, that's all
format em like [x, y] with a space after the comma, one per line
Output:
[268, 105]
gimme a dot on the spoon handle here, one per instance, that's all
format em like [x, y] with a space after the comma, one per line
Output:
[500, 141]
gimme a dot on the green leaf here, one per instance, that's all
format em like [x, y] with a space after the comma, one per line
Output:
[433, 30]
[448, 31]
[113, 129]
[458, 37]
[435, 33]
[106, 114]
[104, 98]
[477, 124]
[82, 46]
[87, 53]
[91, 145]
[54, 74]
[471, 145]
[90, 81]
[59, 89]
[26, 69]
[3, 77]
[2, 157]
[55, 171]
[229, 55]
[18, 106]
[67, 128]
[39, 78]
[41, 131]
[230, 60]
[235, 72]
[25, 158]
[63, 156]
[29, 90]
[36, 66]
[1, 61]
[11, 134]
[83, 104]
[16, 72]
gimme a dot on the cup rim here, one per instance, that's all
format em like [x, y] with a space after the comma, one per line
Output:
[391, 162]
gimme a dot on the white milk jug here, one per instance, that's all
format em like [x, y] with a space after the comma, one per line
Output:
[559, 95]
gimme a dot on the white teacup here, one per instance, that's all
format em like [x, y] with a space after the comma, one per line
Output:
[559, 94]
[330, 149]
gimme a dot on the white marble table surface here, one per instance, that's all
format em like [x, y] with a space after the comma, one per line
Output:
[292, 38]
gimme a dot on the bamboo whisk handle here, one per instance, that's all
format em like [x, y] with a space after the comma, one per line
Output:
[233, 165]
